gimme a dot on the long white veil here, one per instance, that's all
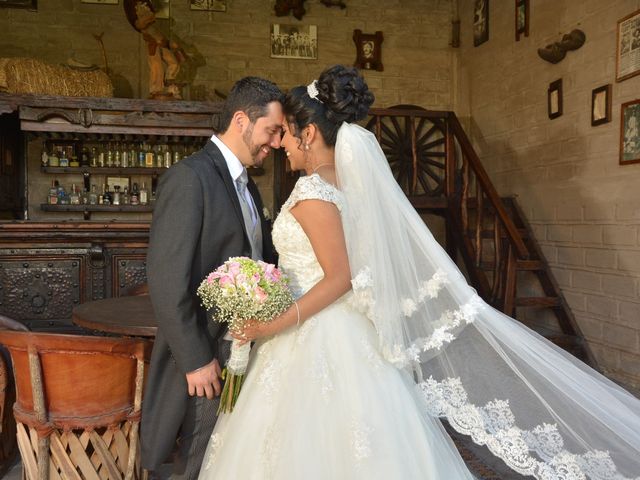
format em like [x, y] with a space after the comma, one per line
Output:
[536, 407]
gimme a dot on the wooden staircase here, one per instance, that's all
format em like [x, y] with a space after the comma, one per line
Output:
[440, 172]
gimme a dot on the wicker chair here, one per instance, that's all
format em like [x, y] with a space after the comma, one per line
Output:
[78, 404]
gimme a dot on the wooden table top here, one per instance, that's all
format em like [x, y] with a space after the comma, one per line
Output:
[131, 316]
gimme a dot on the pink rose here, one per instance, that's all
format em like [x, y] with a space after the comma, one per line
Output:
[260, 294]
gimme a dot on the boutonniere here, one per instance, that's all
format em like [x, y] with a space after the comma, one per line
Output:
[266, 213]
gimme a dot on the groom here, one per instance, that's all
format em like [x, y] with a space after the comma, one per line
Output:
[207, 210]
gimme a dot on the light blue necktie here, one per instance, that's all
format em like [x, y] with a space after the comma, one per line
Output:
[254, 231]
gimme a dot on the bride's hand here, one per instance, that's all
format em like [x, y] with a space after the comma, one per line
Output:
[253, 330]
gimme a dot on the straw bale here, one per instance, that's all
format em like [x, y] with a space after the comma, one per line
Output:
[28, 75]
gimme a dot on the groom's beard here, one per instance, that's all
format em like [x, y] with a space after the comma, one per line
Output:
[257, 155]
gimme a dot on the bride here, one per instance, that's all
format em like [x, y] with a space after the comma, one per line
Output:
[386, 337]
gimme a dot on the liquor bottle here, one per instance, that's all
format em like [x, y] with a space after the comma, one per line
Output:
[142, 156]
[93, 196]
[74, 198]
[84, 197]
[73, 160]
[144, 195]
[125, 156]
[44, 157]
[135, 195]
[158, 157]
[54, 161]
[167, 157]
[116, 195]
[84, 157]
[64, 161]
[52, 199]
[63, 198]
[93, 160]
[109, 162]
[126, 198]
[133, 155]
[117, 156]
[176, 155]
[101, 157]
[149, 160]
[106, 196]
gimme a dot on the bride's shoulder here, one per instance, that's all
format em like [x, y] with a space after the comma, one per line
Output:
[314, 187]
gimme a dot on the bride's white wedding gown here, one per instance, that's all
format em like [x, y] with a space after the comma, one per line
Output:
[319, 401]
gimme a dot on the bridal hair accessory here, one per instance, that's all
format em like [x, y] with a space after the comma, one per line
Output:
[312, 90]
[238, 290]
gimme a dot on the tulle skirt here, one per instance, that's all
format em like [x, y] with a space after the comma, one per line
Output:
[320, 402]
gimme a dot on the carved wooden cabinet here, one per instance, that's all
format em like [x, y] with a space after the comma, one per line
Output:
[54, 258]
[47, 269]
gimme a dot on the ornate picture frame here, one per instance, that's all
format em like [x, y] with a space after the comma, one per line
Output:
[480, 22]
[368, 50]
[29, 4]
[601, 105]
[630, 132]
[522, 19]
[628, 47]
[554, 99]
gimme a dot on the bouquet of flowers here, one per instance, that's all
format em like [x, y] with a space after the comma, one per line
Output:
[242, 289]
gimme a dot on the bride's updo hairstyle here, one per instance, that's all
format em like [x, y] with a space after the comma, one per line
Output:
[342, 96]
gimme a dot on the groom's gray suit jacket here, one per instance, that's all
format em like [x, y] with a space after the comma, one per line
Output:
[197, 225]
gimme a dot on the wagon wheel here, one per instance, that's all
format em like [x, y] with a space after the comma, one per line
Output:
[395, 139]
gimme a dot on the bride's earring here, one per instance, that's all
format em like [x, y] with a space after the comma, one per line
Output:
[306, 146]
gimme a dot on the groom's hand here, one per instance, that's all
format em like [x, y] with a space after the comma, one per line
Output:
[205, 380]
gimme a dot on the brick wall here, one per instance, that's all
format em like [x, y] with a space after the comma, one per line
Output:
[225, 46]
[584, 206]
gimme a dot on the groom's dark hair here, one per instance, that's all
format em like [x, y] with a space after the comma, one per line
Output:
[250, 95]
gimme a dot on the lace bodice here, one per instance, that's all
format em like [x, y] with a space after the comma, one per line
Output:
[297, 258]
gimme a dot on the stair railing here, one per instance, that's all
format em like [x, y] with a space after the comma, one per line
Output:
[437, 167]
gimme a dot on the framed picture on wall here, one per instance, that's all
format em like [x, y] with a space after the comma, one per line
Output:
[480, 22]
[104, 2]
[294, 41]
[628, 47]
[601, 105]
[522, 19]
[212, 5]
[629, 132]
[368, 50]
[554, 99]
[30, 4]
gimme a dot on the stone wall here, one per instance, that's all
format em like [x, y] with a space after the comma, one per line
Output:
[583, 205]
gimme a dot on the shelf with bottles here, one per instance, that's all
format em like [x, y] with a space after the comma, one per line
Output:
[96, 208]
[122, 155]
[115, 196]
[100, 155]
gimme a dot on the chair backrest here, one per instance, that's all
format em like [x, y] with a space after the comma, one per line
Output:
[72, 381]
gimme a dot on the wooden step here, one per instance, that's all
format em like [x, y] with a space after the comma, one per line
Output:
[486, 233]
[541, 302]
[426, 202]
[527, 265]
